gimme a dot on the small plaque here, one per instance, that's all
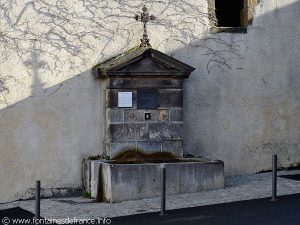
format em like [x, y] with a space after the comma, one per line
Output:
[147, 99]
[124, 99]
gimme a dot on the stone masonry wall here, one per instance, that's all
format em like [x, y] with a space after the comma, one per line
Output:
[129, 130]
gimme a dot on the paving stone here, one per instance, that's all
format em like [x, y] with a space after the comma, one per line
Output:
[237, 188]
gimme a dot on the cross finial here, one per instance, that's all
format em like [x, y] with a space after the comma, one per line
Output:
[145, 18]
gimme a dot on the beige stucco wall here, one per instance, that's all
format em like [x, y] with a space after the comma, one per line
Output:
[241, 104]
[248, 105]
[51, 108]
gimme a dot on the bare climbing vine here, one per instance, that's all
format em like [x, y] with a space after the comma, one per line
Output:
[220, 55]
[74, 35]
[3, 90]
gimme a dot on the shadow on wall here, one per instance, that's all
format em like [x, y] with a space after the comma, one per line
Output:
[35, 63]
[47, 135]
[241, 105]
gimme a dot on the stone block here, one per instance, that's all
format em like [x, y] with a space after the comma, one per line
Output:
[112, 97]
[86, 174]
[94, 176]
[128, 132]
[115, 115]
[116, 147]
[131, 116]
[123, 182]
[170, 98]
[176, 115]
[149, 146]
[165, 131]
[144, 83]
[174, 147]
[120, 83]
[200, 176]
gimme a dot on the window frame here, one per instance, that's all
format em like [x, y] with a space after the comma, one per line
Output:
[246, 20]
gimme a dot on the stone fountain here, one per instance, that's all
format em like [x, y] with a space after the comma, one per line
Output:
[144, 129]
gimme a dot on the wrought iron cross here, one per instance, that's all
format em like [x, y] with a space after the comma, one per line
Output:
[145, 18]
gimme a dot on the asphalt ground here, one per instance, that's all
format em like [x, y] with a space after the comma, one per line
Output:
[16, 213]
[292, 177]
[284, 211]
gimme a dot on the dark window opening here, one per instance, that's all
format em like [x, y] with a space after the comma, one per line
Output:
[229, 12]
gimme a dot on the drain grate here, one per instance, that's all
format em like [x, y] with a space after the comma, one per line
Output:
[292, 177]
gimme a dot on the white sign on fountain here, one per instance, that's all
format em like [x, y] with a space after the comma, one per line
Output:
[124, 99]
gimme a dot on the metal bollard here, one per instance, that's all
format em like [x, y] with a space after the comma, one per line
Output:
[274, 178]
[163, 191]
[37, 199]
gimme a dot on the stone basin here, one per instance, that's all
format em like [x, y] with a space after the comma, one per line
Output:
[117, 182]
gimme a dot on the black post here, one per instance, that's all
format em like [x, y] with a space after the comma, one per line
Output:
[163, 191]
[37, 199]
[274, 177]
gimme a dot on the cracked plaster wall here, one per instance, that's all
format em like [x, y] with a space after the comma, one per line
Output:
[241, 104]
